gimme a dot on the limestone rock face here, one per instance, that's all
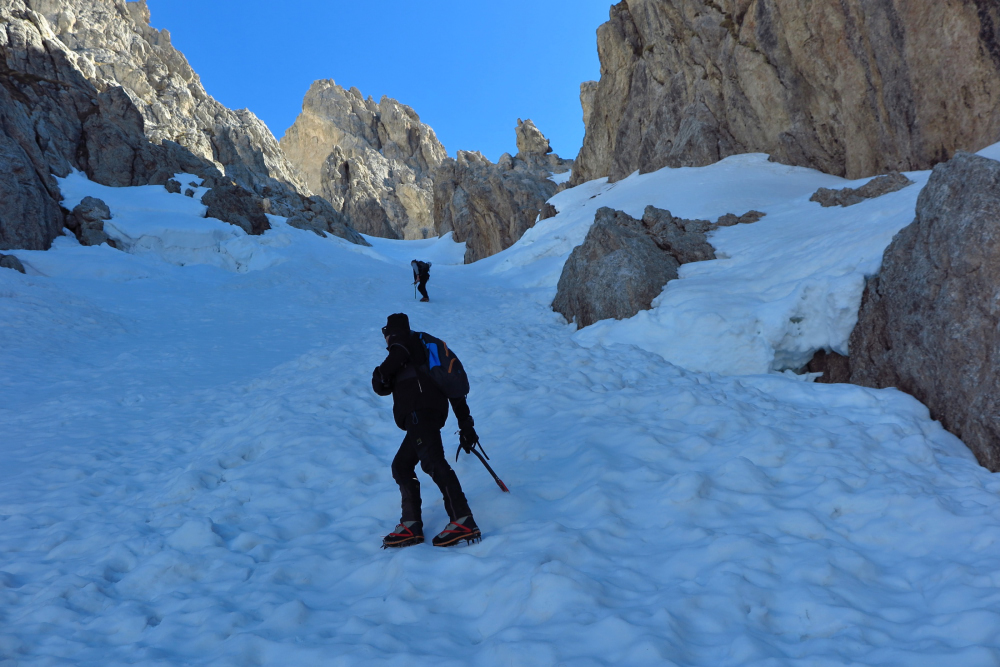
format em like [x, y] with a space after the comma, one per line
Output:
[624, 263]
[489, 206]
[588, 91]
[89, 85]
[115, 43]
[373, 161]
[930, 321]
[855, 88]
[615, 273]
[878, 186]
[52, 120]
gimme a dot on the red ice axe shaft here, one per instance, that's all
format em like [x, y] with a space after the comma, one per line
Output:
[503, 487]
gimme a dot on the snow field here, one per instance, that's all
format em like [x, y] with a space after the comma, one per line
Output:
[782, 287]
[196, 471]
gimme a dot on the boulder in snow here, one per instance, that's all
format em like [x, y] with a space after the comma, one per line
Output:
[686, 240]
[836, 368]
[233, 204]
[11, 262]
[86, 221]
[617, 271]
[930, 321]
[878, 186]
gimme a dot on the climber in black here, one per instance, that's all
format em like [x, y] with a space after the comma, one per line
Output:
[420, 408]
[421, 274]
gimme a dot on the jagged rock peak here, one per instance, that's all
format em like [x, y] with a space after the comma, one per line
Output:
[854, 88]
[489, 206]
[373, 161]
[530, 140]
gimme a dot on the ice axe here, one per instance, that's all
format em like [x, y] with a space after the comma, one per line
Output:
[503, 487]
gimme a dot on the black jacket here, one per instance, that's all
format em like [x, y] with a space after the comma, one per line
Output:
[417, 401]
[421, 270]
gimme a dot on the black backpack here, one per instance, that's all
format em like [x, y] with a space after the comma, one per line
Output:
[443, 367]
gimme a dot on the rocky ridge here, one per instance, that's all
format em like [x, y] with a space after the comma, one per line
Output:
[62, 108]
[373, 161]
[489, 206]
[53, 119]
[854, 88]
[115, 45]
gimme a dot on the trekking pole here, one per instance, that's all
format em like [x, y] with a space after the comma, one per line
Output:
[503, 487]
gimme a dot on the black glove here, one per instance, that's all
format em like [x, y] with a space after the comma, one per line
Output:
[467, 439]
[379, 385]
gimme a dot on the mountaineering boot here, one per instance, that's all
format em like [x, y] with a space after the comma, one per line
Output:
[406, 534]
[463, 528]
[425, 299]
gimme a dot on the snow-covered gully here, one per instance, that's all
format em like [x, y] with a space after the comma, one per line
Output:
[196, 471]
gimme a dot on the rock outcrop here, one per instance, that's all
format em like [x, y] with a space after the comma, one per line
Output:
[615, 273]
[237, 206]
[878, 186]
[624, 263]
[88, 85]
[115, 43]
[373, 161]
[588, 91]
[854, 88]
[53, 119]
[929, 323]
[86, 221]
[835, 367]
[530, 140]
[489, 206]
[11, 262]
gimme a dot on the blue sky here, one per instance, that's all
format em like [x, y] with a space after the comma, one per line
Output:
[470, 69]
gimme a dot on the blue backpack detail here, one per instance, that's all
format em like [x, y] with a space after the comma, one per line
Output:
[444, 368]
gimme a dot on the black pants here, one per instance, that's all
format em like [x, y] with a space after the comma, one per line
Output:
[424, 446]
[421, 287]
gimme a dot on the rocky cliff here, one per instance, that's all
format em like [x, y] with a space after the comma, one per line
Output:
[54, 119]
[854, 87]
[489, 206]
[115, 45]
[929, 322]
[90, 86]
[373, 161]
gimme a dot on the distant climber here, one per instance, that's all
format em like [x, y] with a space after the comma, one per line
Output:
[421, 274]
[420, 407]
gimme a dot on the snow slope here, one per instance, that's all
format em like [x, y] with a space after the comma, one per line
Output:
[783, 287]
[194, 469]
